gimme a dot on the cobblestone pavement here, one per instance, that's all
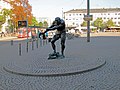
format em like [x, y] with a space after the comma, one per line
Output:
[105, 78]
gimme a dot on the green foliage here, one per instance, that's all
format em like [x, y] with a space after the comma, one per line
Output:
[110, 23]
[104, 25]
[98, 23]
[45, 24]
[101, 25]
[40, 24]
[34, 22]
[5, 14]
[84, 24]
[2, 19]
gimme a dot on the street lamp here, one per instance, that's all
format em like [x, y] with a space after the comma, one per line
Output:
[88, 18]
[88, 22]
[62, 14]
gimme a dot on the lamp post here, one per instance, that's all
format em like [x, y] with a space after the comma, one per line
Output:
[88, 22]
[62, 14]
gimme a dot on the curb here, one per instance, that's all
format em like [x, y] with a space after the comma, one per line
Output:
[57, 72]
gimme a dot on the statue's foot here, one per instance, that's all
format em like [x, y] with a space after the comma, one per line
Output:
[54, 54]
[63, 56]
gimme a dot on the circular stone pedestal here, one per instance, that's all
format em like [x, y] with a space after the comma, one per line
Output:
[53, 67]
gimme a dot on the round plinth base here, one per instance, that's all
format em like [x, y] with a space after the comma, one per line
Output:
[45, 67]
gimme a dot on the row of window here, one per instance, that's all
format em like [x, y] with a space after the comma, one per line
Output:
[101, 18]
[77, 24]
[110, 13]
[77, 14]
[111, 18]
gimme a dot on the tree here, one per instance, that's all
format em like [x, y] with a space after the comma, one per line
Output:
[45, 24]
[84, 24]
[21, 10]
[5, 15]
[104, 25]
[40, 24]
[34, 22]
[110, 23]
[2, 21]
[98, 23]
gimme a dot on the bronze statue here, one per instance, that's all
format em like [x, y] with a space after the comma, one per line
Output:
[59, 25]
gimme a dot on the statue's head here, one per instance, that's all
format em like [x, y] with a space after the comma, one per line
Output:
[58, 20]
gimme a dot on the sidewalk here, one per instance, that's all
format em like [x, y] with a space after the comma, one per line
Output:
[87, 66]
[38, 65]
[7, 38]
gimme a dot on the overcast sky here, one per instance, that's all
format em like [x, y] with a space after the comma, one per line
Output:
[53, 8]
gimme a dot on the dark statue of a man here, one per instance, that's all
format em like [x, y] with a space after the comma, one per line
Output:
[59, 25]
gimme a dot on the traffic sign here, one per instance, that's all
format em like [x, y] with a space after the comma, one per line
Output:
[22, 23]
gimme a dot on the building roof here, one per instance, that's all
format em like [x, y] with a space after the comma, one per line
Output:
[100, 10]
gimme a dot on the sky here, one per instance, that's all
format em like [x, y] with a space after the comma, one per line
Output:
[54, 8]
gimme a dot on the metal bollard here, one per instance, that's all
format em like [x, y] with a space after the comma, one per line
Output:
[32, 45]
[43, 42]
[40, 42]
[11, 42]
[46, 41]
[20, 49]
[37, 43]
[27, 47]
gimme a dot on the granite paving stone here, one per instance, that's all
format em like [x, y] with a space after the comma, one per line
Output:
[103, 78]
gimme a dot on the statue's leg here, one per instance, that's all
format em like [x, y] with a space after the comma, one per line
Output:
[63, 38]
[54, 39]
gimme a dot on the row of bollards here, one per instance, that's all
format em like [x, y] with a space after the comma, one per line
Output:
[39, 43]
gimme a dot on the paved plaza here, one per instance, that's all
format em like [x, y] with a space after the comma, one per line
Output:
[90, 65]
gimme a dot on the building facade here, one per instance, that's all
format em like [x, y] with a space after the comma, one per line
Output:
[75, 17]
